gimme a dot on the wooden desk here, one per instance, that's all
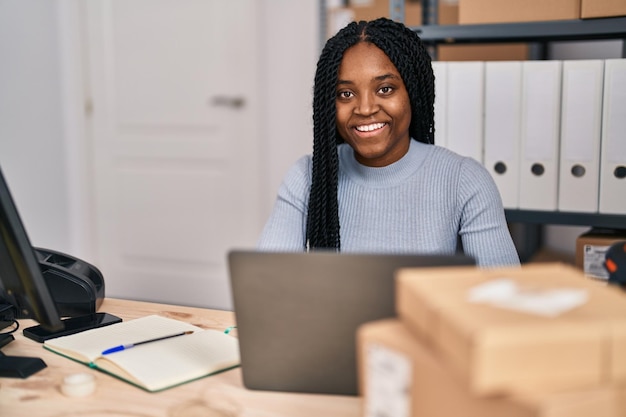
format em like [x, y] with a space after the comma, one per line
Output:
[221, 395]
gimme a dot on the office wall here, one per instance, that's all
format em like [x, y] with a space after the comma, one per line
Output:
[32, 146]
[289, 57]
[44, 150]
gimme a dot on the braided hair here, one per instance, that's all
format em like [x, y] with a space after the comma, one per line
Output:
[406, 51]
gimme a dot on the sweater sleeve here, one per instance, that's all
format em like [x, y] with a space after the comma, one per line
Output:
[285, 229]
[483, 229]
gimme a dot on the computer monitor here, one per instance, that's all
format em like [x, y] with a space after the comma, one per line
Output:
[22, 285]
[23, 290]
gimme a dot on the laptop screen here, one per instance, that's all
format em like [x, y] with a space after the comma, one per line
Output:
[297, 313]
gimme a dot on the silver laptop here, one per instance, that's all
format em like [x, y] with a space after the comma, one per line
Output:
[297, 313]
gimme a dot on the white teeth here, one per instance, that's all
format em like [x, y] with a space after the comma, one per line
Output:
[369, 128]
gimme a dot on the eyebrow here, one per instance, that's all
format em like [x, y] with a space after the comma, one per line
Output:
[377, 78]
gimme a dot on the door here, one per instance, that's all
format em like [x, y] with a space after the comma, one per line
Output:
[175, 147]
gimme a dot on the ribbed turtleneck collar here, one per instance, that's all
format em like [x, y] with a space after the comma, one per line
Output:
[389, 175]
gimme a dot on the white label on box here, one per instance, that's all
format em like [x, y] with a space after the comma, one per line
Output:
[593, 261]
[506, 293]
[388, 380]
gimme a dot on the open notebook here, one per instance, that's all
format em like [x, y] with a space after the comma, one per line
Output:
[152, 366]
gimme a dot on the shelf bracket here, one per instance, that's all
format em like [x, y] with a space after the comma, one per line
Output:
[396, 10]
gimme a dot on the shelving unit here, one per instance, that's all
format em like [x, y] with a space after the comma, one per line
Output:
[536, 33]
[607, 221]
[558, 30]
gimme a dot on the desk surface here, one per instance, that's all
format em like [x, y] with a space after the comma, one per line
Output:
[221, 395]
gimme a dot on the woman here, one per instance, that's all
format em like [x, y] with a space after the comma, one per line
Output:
[375, 182]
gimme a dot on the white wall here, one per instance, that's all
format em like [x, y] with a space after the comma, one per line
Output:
[291, 45]
[43, 148]
[32, 148]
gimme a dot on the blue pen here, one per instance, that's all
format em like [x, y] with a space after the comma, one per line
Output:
[130, 345]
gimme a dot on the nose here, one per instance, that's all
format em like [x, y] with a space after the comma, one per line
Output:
[366, 105]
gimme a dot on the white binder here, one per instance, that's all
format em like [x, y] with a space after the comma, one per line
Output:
[503, 98]
[440, 69]
[613, 156]
[465, 106]
[541, 115]
[581, 121]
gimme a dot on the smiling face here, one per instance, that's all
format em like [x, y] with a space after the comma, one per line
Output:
[373, 108]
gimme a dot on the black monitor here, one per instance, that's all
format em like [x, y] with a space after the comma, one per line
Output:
[23, 290]
[22, 285]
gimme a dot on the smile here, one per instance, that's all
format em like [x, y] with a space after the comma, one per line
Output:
[369, 128]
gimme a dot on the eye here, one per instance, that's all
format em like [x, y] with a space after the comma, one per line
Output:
[386, 90]
[344, 94]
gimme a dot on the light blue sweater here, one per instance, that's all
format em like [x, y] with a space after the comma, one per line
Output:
[419, 204]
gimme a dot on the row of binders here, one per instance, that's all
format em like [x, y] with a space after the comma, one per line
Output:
[551, 133]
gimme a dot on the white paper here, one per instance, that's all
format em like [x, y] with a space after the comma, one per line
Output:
[593, 261]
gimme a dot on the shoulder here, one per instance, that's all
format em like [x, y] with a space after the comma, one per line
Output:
[445, 154]
[448, 161]
[300, 169]
[465, 172]
[297, 180]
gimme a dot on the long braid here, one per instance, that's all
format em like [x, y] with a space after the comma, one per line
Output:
[407, 53]
[322, 230]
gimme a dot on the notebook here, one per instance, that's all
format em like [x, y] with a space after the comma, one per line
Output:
[297, 313]
[156, 365]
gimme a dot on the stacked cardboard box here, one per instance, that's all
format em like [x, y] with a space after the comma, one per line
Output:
[602, 8]
[489, 342]
[448, 13]
[508, 11]
[372, 9]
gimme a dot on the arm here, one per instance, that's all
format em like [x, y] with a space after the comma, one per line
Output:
[483, 228]
[285, 229]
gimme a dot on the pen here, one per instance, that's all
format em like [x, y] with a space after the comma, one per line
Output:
[130, 345]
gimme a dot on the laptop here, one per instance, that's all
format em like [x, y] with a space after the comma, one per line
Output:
[297, 313]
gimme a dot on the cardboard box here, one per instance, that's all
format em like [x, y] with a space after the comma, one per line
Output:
[602, 8]
[372, 9]
[621, 405]
[495, 346]
[400, 375]
[448, 13]
[549, 255]
[483, 52]
[591, 248]
[505, 11]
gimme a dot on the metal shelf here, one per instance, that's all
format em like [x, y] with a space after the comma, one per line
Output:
[608, 221]
[556, 30]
